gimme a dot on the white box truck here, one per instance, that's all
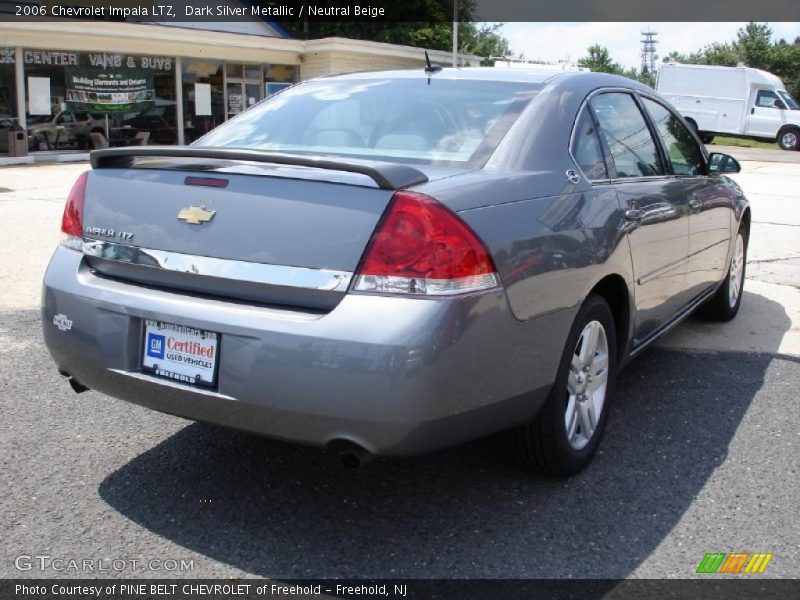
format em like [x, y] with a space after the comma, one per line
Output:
[734, 101]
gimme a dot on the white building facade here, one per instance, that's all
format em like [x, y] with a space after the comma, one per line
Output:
[168, 83]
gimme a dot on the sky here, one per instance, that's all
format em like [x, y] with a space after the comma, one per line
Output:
[557, 41]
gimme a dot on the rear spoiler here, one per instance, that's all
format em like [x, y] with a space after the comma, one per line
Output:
[388, 176]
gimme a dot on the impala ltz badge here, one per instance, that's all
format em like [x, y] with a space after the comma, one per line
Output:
[194, 215]
[106, 232]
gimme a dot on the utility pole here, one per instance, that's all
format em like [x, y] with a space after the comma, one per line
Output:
[455, 33]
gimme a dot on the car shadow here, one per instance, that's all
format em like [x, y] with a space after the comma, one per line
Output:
[270, 508]
[759, 327]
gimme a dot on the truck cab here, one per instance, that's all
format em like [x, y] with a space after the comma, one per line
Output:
[770, 110]
[735, 101]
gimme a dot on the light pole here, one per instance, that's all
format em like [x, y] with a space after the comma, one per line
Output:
[455, 33]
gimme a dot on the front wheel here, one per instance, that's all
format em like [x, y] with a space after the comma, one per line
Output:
[725, 303]
[789, 139]
[564, 436]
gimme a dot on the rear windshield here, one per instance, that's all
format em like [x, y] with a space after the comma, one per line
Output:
[449, 122]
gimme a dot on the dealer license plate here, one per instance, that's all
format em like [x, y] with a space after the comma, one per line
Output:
[180, 353]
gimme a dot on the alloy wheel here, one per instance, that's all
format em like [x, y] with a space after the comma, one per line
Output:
[586, 385]
[737, 271]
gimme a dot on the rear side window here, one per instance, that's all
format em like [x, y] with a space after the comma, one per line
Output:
[682, 149]
[586, 148]
[624, 129]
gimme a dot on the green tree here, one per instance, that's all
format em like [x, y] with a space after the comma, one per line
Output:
[599, 60]
[484, 41]
[434, 32]
[754, 45]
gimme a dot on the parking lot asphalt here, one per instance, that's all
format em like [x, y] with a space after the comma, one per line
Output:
[699, 454]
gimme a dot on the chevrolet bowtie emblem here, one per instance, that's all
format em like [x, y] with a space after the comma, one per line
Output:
[194, 215]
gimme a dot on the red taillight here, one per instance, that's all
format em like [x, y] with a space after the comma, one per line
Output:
[72, 221]
[421, 247]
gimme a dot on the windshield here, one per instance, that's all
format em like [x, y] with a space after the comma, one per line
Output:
[451, 122]
[787, 97]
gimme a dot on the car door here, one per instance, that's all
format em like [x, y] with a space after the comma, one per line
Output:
[656, 213]
[708, 199]
[64, 130]
[766, 114]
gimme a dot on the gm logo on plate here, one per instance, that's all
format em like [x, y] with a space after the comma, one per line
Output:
[155, 345]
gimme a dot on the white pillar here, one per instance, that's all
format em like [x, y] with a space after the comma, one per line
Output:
[19, 76]
[179, 99]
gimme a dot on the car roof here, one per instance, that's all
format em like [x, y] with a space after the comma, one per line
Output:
[577, 79]
[468, 73]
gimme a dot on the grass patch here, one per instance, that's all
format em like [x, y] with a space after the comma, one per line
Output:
[721, 140]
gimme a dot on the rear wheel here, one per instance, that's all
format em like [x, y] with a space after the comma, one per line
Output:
[725, 303]
[564, 436]
[789, 138]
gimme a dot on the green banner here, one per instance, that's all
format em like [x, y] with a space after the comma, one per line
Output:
[109, 90]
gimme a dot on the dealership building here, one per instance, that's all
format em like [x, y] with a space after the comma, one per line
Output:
[73, 85]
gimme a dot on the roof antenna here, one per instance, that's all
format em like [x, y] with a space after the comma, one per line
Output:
[430, 68]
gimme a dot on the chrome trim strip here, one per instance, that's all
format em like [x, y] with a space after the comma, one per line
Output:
[222, 268]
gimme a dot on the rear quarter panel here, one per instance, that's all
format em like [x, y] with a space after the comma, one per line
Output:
[552, 240]
[550, 252]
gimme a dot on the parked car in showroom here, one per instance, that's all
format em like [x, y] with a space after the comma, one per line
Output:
[393, 262]
[158, 121]
[66, 129]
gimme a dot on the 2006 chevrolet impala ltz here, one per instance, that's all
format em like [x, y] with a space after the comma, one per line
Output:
[392, 262]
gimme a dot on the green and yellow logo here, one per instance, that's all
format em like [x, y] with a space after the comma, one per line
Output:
[735, 562]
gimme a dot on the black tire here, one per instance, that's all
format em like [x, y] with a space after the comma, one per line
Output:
[789, 138]
[719, 307]
[543, 444]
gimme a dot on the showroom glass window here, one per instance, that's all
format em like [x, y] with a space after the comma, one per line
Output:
[682, 150]
[8, 96]
[203, 96]
[245, 83]
[625, 131]
[75, 100]
[278, 77]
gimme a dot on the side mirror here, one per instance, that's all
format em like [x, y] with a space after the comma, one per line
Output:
[722, 163]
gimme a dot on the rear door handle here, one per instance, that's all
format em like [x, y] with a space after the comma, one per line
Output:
[634, 214]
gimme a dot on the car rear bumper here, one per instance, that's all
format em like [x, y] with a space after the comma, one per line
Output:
[397, 376]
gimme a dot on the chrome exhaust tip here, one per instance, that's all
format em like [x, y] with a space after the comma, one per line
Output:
[351, 454]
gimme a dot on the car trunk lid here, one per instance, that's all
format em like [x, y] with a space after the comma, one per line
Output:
[287, 232]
